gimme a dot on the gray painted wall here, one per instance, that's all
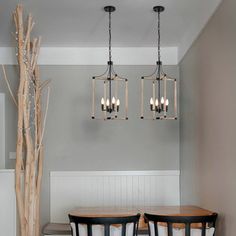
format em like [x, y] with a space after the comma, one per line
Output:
[75, 142]
[10, 114]
[2, 131]
[207, 119]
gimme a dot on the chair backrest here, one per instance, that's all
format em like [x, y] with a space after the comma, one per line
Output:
[203, 221]
[106, 222]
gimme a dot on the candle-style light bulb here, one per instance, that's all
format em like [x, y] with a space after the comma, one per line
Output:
[151, 104]
[162, 103]
[167, 104]
[156, 103]
[108, 103]
[151, 101]
[117, 104]
[162, 100]
[102, 103]
[113, 102]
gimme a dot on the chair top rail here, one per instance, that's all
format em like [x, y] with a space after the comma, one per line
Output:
[181, 219]
[104, 220]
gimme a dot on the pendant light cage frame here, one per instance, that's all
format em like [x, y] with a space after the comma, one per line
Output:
[159, 110]
[110, 106]
[116, 82]
[160, 86]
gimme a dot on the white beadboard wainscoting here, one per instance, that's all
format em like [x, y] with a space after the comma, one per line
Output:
[7, 203]
[71, 189]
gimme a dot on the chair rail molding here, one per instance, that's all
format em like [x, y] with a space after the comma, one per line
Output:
[71, 189]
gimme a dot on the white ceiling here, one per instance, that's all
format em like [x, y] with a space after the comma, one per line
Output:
[83, 23]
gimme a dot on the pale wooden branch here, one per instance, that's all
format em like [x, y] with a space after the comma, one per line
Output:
[45, 118]
[33, 51]
[29, 28]
[45, 84]
[15, 19]
[30, 131]
[39, 156]
[8, 85]
[19, 149]
[37, 53]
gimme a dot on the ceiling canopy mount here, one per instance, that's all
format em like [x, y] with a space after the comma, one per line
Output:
[158, 9]
[109, 8]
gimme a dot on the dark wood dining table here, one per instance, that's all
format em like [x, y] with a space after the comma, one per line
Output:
[57, 229]
[127, 211]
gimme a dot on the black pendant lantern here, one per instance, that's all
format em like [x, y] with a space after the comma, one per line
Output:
[162, 103]
[110, 91]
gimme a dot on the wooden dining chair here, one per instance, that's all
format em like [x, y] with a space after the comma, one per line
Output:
[104, 226]
[161, 225]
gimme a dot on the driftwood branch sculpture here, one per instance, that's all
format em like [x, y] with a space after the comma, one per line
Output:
[30, 127]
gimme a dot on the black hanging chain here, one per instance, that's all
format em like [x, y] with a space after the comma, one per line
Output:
[159, 37]
[110, 64]
[110, 36]
[159, 59]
